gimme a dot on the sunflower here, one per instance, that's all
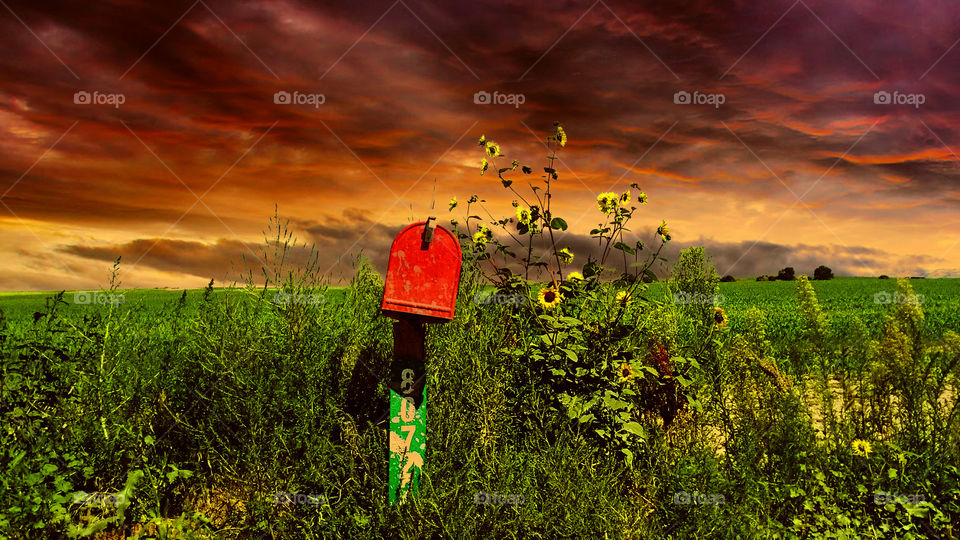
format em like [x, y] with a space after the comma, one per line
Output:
[453, 203]
[642, 198]
[481, 236]
[523, 215]
[561, 136]
[607, 202]
[575, 276]
[719, 317]
[623, 298]
[565, 255]
[493, 149]
[663, 231]
[515, 165]
[860, 447]
[482, 141]
[484, 166]
[625, 197]
[626, 372]
[479, 240]
[549, 297]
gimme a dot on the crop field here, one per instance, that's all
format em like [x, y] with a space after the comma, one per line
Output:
[814, 408]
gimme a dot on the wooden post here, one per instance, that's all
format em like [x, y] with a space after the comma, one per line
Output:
[408, 408]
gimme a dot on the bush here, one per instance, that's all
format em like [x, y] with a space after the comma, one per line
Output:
[883, 276]
[787, 274]
[727, 279]
[823, 273]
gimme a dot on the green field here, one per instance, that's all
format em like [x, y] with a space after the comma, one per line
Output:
[192, 413]
[841, 299]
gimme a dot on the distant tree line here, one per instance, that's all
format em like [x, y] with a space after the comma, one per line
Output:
[821, 273]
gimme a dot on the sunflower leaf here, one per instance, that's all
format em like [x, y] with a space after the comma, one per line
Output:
[636, 429]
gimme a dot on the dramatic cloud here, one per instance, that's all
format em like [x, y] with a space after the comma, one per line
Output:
[162, 132]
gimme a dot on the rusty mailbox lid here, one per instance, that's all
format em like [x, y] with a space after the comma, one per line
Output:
[423, 273]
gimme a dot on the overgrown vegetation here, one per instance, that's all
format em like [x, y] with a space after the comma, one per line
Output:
[615, 407]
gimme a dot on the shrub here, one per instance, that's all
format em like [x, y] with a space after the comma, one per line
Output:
[727, 279]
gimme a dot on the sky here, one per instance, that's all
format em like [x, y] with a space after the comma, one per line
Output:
[775, 133]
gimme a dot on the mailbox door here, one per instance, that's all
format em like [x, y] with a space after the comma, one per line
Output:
[420, 281]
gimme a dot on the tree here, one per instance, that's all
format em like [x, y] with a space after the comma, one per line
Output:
[787, 274]
[823, 273]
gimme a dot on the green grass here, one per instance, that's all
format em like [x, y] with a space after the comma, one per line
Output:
[254, 398]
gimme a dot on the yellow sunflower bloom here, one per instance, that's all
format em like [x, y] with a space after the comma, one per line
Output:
[561, 136]
[482, 141]
[481, 237]
[523, 215]
[642, 198]
[607, 202]
[565, 255]
[860, 447]
[623, 298]
[549, 297]
[626, 372]
[453, 203]
[625, 197]
[484, 166]
[663, 231]
[719, 317]
[575, 276]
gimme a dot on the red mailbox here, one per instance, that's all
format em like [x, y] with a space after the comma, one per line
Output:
[423, 274]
